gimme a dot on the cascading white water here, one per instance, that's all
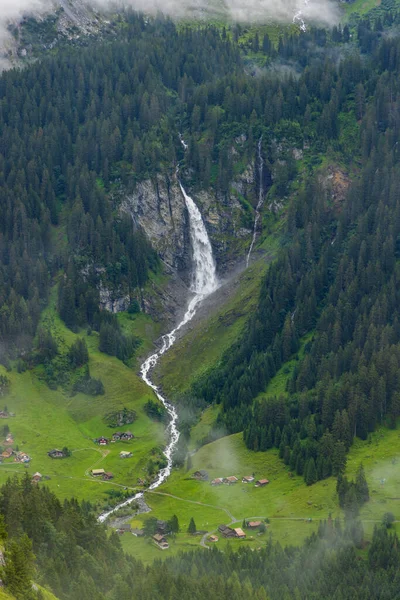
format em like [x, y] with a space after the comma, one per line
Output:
[204, 282]
[260, 199]
[299, 18]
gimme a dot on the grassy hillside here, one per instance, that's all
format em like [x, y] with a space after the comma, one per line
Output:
[203, 345]
[287, 502]
[47, 419]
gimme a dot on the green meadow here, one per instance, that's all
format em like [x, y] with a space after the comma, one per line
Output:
[286, 501]
[47, 419]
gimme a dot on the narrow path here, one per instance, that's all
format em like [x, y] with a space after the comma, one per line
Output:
[103, 453]
[230, 515]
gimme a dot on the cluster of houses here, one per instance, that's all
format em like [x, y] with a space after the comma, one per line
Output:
[231, 480]
[118, 436]
[19, 457]
[106, 476]
[235, 532]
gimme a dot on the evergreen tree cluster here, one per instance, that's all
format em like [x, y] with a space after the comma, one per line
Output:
[336, 282]
[64, 548]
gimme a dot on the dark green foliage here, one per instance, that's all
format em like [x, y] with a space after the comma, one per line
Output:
[115, 343]
[118, 418]
[192, 526]
[352, 494]
[88, 385]
[19, 568]
[336, 280]
[388, 519]
[46, 345]
[173, 524]
[155, 410]
[76, 558]
[150, 526]
[78, 353]
[4, 385]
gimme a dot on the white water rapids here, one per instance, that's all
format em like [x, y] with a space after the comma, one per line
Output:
[260, 200]
[204, 282]
[299, 17]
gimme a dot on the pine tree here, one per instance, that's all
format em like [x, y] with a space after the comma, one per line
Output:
[173, 524]
[361, 485]
[311, 472]
[192, 527]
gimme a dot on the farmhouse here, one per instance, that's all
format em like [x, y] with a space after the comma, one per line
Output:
[124, 454]
[102, 441]
[56, 453]
[122, 436]
[248, 479]
[138, 532]
[261, 482]
[108, 476]
[239, 533]
[124, 528]
[9, 439]
[226, 531]
[217, 481]
[201, 475]
[7, 453]
[37, 477]
[230, 480]
[22, 457]
[98, 472]
[160, 541]
[253, 524]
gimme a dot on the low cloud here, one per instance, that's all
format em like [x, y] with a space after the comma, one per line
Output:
[256, 11]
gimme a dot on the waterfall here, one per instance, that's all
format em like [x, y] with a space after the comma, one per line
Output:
[204, 282]
[299, 18]
[260, 199]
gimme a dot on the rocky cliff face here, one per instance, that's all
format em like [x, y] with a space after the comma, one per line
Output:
[158, 206]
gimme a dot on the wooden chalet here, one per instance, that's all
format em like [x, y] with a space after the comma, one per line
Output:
[239, 533]
[213, 538]
[108, 476]
[248, 479]
[253, 524]
[137, 532]
[226, 531]
[262, 482]
[160, 540]
[217, 481]
[124, 454]
[22, 457]
[98, 472]
[124, 528]
[102, 441]
[230, 480]
[7, 453]
[124, 436]
[200, 475]
[56, 453]
[37, 477]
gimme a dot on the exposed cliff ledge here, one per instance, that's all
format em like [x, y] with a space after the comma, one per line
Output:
[158, 206]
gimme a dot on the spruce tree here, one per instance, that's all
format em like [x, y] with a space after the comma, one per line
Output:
[192, 527]
[361, 484]
[311, 472]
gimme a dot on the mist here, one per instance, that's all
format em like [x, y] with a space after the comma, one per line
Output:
[321, 11]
